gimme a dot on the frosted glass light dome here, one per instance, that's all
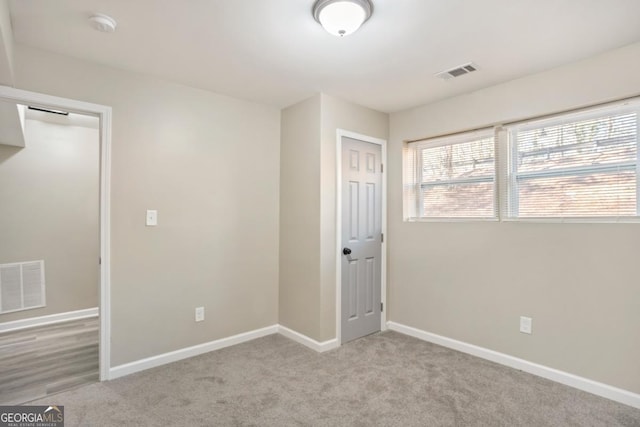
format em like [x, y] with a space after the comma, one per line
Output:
[342, 17]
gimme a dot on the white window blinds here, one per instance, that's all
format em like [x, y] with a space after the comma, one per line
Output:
[578, 165]
[452, 177]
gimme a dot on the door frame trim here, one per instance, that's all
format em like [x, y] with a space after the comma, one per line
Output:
[103, 113]
[341, 133]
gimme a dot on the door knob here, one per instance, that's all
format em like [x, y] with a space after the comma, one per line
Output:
[346, 251]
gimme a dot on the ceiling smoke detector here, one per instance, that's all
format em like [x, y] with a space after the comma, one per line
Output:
[103, 23]
[458, 71]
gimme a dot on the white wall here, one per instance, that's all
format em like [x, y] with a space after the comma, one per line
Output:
[471, 281]
[210, 165]
[49, 191]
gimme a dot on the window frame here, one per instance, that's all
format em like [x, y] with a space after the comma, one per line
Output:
[510, 206]
[448, 140]
[504, 191]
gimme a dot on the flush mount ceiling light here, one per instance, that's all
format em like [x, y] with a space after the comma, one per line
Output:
[342, 17]
[103, 23]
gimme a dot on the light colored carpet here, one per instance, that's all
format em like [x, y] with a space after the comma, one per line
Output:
[386, 379]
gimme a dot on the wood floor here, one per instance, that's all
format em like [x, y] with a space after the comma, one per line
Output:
[40, 361]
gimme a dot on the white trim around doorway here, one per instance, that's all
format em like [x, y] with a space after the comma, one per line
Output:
[341, 133]
[104, 115]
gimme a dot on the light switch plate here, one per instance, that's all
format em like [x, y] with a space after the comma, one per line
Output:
[152, 218]
[199, 314]
[526, 324]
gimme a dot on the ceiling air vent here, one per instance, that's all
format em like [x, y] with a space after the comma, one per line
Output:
[458, 71]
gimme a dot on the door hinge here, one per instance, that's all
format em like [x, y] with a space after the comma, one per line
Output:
[381, 306]
[381, 168]
[99, 260]
[381, 237]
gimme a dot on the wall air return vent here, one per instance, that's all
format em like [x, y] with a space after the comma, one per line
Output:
[458, 71]
[21, 286]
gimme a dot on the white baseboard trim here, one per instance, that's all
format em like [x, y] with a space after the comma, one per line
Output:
[306, 341]
[196, 350]
[581, 383]
[15, 325]
[185, 353]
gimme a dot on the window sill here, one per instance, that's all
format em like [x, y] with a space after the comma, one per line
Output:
[586, 220]
[451, 220]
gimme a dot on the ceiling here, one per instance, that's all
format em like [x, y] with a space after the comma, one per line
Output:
[273, 52]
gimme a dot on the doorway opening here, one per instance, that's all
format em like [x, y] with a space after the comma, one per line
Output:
[54, 261]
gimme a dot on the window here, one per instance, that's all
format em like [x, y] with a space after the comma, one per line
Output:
[452, 177]
[580, 165]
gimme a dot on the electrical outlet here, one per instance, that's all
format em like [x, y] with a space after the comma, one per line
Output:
[526, 324]
[152, 218]
[199, 314]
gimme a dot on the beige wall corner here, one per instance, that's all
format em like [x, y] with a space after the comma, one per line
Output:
[299, 296]
[209, 164]
[307, 208]
[6, 45]
[337, 114]
[471, 281]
